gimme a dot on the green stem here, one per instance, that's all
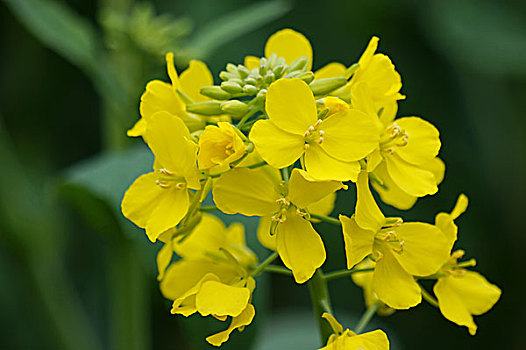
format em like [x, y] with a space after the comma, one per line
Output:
[366, 317]
[344, 273]
[278, 269]
[321, 303]
[256, 165]
[210, 208]
[247, 116]
[327, 219]
[261, 267]
[428, 297]
[285, 174]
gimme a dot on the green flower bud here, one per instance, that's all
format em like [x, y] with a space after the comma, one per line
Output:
[279, 70]
[227, 75]
[299, 64]
[234, 107]
[307, 77]
[215, 92]
[231, 87]
[272, 60]
[250, 89]
[231, 68]
[325, 86]
[269, 77]
[205, 108]
[243, 71]
[350, 71]
[250, 81]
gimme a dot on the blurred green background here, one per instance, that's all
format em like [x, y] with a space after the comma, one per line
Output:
[75, 275]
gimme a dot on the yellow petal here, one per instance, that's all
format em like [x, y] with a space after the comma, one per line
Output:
[412, 179]
[375, 340]
[221, 299]
[138, 129]
[437, 167]
[141, 198]
[239, 322]
[208, 236]
[393, 195]
[299, 246]
[446, 222]
[358, 242]
[324, 167]
[335, 325]
[184, 275]
[349, 135]
[425, 248]
[250, 192]
[369, 52]
[324, 206]
[277, 147]
[168, 138]
[251, 62]
[291, 106]
[393, 285]
[169, 211]
[160, 96]
[304, 189]
[423, 141]
[331, 70]
[368, 215]
[164, 257]
[290, 45]
[265, 237]
[172, 72]
[194, 78]
[219, 145]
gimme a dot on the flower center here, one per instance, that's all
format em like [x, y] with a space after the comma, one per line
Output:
[167, 179]
[393, 137]
[314, 134]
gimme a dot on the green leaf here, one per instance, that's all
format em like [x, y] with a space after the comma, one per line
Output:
[97, 185]
[234, 25]
[479, 34]
[60, 29]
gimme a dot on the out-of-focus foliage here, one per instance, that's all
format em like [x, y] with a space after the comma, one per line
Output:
[464, 64]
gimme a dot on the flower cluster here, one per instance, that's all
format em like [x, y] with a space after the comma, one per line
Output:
[277, 141]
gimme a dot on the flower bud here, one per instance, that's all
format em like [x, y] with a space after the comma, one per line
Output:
[231, 87]
[325, 86]
[299, 64]
[215, 92]
[234, 107]
[250, 89]
[279, 70]
[307, 77]
[269, 77]
[205, 108]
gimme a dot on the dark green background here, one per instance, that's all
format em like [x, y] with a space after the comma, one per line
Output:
[463, 67]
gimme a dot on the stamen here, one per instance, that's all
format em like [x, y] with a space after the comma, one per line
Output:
[162, 184]
[166, 172]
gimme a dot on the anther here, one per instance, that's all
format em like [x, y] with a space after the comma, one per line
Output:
[318, 122]
[180, 185]
[166, 172]
[162, 184]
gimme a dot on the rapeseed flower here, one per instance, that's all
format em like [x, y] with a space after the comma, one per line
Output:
[212, 278]
[158, 200]
[330, 148]
[256, 193]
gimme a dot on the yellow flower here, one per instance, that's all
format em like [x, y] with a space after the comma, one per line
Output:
[285, 43]
[330, 147]
[161, 96]
[256, 193]
[461, 293]
[348, 340]
[406, 157]
[401, 250]
[378, 74]
[212, 276]
[157, 201]
[219, 145]
[365, 281]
